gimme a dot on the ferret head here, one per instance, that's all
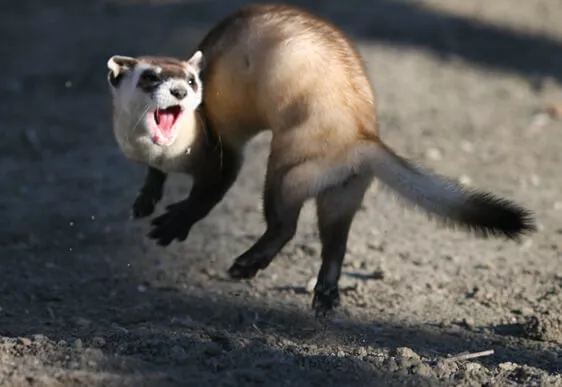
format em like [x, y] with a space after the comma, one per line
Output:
[152, 96]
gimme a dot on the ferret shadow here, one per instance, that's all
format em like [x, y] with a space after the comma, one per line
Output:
[391, 22]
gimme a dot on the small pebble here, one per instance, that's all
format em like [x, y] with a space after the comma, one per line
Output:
[83, 322]
[213, 349]
[535, 180]
[465, 180]
[98, 342]
[362, 351]
[78, 344]
[178, 353]
[433, 154]
[378, 274]
[467, 147]
[528, 243]
[185, 321]
[39, 337]
[310, 285]
[24, 341]
[473, 367]
[405, 352]
[468, 322]
[507, 366]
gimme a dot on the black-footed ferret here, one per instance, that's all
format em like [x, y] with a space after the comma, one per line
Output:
[280, 68]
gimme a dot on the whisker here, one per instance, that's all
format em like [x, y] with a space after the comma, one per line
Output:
[145, 110]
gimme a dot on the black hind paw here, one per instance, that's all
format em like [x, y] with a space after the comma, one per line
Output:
[238, 271]
[325, 300]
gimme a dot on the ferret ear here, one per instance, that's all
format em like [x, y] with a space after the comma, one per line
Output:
[197, 61]
[118, 65]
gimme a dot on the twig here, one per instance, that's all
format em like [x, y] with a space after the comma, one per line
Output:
[473, 355]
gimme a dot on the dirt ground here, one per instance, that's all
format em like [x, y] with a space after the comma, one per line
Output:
[87, 300]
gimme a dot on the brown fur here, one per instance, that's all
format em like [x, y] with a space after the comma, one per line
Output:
[281, 68]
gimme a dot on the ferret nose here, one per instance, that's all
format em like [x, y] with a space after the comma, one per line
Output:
[178, 92]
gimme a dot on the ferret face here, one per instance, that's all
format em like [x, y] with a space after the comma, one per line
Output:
[153, 95]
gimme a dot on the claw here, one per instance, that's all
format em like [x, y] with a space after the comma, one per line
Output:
[143, 206]
[237, 271]
[325, 301]
[171, 226]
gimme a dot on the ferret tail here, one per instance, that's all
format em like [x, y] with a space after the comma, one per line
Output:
[480, 212]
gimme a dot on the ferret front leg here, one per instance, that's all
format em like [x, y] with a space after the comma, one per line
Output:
[208, 190]
[150, 193]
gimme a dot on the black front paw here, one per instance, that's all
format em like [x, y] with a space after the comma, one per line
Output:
[144, 205]
[174, 224]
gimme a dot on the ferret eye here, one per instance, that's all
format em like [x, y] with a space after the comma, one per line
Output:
[191, 80]
[149, 77]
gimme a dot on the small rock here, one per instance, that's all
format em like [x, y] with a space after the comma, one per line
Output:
[340, 353]
[405, 353]
[355, 264]
[467, 147]
[433, 154]
[83, 323]
[473, 367]
[310, 285]
[178, 353]
[184, 321]
[468, 322]
[24, 341]
[507, 366]
[142, 288]
[544, 328]
[78, 344]
[378, 274]
[98, 342]
[213, 349]
[527, 244]
[39, 337]
[74, 365]
[362, 351]
[535, 180]
[122, 348]
[551, 355]
[423, 369]
[465, 180]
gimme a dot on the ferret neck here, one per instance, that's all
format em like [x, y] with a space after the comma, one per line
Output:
[210, 140]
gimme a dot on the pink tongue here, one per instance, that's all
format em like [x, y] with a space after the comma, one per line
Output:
[166, 119]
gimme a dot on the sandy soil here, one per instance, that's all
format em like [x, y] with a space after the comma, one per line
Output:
[87, 300]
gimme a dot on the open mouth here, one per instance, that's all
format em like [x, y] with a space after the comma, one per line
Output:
[165, 120]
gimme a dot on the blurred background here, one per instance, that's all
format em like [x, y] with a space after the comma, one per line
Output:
[470, 88]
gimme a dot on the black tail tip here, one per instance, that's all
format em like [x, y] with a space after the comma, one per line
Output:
[490, 216]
